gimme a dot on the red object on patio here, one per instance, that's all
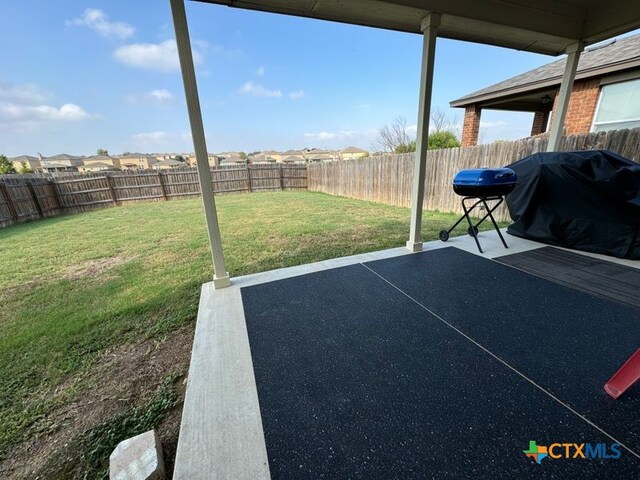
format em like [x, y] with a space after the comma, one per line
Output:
[624, 378]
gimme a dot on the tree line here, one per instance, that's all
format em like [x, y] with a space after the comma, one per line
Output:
[395, 138]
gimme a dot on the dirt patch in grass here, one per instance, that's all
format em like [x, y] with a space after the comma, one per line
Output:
[92, 268]
[88, 269]
[124, 377]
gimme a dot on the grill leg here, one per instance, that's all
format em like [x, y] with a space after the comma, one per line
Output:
[466, 215]
[490, 215]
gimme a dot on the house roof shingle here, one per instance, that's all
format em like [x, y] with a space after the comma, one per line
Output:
[353, 150]
[617, 55]
[23, 158]
[293, 159]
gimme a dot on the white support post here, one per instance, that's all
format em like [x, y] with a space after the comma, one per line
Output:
[557, 128]
[429, 27]
[220, 276]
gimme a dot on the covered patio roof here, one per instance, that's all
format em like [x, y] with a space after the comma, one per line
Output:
[543, 26]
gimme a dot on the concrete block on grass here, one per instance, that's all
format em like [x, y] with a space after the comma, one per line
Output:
[137, 458]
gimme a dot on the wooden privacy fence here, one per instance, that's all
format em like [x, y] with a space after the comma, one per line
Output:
[32, 196]
[388, 178]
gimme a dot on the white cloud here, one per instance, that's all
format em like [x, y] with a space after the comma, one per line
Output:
[490, 124]
[341, 138]
[28, 93]
[69, 112]
[256, 90]
[159, 96]
[151, 137]
[503, 125]
[98, 21]
[173, 141]
[261, 71]
[23, 109]
[339, 135]
[161, 56]
[204, 45]
[320, 136]
[219, 49]
[297, 95]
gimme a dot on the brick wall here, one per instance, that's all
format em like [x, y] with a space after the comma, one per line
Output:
[582, 106]
[471, 125]
[539, 123]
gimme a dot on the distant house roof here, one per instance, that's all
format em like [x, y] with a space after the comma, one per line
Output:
[236, 159]
[317, 151]
[315, 156]
[293, 152]
[169, 163]
[23, 158]
[63, 156]
[99, 158]
[99, 165]
[293, 159]
[56, 165]
[137, 155]
[353, 150]
[262, 157]
[617, 55]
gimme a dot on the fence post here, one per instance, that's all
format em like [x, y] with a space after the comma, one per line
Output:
[213, 180]
[249, 178]
[281, 178]
[111, 190]
[35, 198]
[162, 186]
[56, 195]
[12, 209]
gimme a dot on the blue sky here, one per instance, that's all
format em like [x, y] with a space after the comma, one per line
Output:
[78, 76]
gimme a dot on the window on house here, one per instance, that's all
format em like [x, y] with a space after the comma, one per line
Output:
[619, 107]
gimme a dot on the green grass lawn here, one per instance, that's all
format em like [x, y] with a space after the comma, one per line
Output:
[74, 285]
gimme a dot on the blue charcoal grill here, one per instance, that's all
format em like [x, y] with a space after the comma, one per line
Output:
[481, 186]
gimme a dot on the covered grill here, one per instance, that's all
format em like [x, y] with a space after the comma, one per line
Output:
[481, 186]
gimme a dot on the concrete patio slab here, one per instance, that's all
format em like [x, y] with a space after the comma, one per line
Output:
[222, 433]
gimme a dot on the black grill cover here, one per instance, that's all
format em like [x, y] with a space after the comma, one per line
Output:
[586, 200]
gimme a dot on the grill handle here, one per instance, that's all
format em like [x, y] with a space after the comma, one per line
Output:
[505, 175]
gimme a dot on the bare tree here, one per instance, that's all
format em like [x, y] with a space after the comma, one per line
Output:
[441, 122]
[393, 137]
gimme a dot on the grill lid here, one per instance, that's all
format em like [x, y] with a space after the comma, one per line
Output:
[485, 177]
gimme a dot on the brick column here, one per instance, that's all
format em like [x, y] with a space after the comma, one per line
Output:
[539, 123]
[471, 126]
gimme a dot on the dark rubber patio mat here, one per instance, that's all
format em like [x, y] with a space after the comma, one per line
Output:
[568, 341]
[357, 379]
[592, 275]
